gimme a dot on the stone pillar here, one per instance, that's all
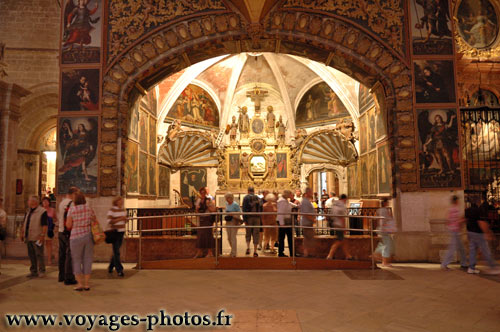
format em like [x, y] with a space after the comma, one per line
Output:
[10, 105]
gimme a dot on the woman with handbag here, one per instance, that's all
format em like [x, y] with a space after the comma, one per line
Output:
[232, 206]
[79, 221]
[51, 222]
[117, 216]
[205, 238]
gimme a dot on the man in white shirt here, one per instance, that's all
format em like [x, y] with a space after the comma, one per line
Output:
[65, 263]
[328, 209]
[339, 209]
[307, 221]
[284, 206]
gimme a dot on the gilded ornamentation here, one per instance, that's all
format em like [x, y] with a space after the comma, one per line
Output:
[384, 17]
[130, 19]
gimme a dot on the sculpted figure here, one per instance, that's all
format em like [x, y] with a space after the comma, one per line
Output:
[270, 121]
[232, 130]
[173, 130]
[244, 164]
[271, 166]
[281, 130]
[244, 122]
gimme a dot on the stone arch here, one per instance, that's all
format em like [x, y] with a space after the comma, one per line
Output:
[324, 38]
[307, 169]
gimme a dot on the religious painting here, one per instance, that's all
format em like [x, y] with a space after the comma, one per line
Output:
[438, 148]
[149, 102]
[477, 22]
[152, 136]
[258, 164]
[371, 129]
[152, 175]
[380, 111]
[143, 131]
[434, 81]
[365, 189]
[77, 158]
[143, 173]
[352, 178]
[131, 167]
[372, 172]
[192, 180]
[257, 126]
[363, 134]
[384, 169]
[431, 27]
[80, 90]
[133, 131]
[485, 98]
[82, 29]
[163, 181]
[195, 106]
[319, 105]
[282, 164]
[234, 166]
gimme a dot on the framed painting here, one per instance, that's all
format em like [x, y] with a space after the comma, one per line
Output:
[149, 102]
[192, 179]
[163, 181]
[77, 157]
[384, 169]
[320, 104]
[365, 189]
[143, 173]
[234, 166]
[372, 173]
[82, 31]
[431, 28]
[438, 148]
[434, 81]
[152, 176]
[282, 165]
[152, 136]
[477, 22]
[371, 129]
[380, 111]
[195, 106]
[80, 90]
[352, 178]
[131, 167]
[133, 131]
[143, 131]
[363, 134]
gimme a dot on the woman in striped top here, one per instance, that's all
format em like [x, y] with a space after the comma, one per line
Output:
[117, 216]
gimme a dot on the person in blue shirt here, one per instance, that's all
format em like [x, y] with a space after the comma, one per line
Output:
[232, 206]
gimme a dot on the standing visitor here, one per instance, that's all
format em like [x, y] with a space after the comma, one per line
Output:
[252, 203]
[339, 210]
[34, 230]
[261, 230]
[284, 207]
[117, 217]
[455, 221]
[387, 226]
[79, 220]
[307, 221]
[65, 262]
[270, 233]
[51, 222]
[328, 210]
[205, 239]
[232, 206]
[478, 231]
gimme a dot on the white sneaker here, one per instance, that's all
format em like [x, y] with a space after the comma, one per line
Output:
[473, 271]
[493, 271]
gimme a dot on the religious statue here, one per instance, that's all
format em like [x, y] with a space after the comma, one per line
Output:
[173, 130]
[270, 121]
[271, 166]
[232, 130]
[300, 135]
[214, 133]
[281, 131]
[244, 122]
[346, 128]
[256, 95]
[244, 164]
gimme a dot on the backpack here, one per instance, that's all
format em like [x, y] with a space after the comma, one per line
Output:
[255, 203]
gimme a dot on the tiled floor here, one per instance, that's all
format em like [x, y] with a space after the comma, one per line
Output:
[408, 297]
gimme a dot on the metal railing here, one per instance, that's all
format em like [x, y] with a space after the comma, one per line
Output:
[138, 231]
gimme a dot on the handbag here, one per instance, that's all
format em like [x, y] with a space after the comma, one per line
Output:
[97, 232]
[110, 235]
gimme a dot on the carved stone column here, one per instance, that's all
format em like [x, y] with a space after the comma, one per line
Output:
[10, 104]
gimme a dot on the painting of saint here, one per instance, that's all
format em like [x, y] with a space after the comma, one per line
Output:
[192, 179]
[152, 175]
[152, 136]
[163, 181]
[363, 134]
[133, 132]
[143, 131]
[143, 174]
[320, 104]
[478, 23]
[257, 126]
[438, 148]
[77, 161]
[365, 189]
[196, 107]
[486, 97]
[380, 123]
[371, 129]
[431, 27]
[131, 167]
[384, 169]
[234, 166]
[80, 90]
[82, 29]
[149, 102]
[281, 161]
[352, 178]
[434, 81]
[372, 170]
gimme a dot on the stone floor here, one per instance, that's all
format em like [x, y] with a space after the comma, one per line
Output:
[408, 297]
